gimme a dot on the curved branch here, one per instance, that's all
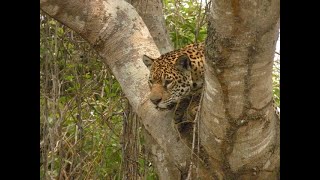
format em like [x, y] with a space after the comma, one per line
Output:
[118, 34]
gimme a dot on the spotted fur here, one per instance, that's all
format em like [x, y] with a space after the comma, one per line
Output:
[175, 75]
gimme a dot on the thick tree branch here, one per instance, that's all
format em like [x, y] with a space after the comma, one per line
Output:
[240, 48]
[119, 35]
[152, 14]
[238, 128]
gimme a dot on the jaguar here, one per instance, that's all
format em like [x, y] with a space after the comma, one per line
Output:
[176, 75]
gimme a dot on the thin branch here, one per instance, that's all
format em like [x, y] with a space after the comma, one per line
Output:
[195, 128]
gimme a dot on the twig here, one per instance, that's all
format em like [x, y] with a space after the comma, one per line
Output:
[195, 127]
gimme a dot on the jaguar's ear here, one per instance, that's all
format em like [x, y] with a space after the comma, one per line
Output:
[147, 61]
[183, 63]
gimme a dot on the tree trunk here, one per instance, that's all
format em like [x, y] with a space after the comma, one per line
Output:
[239, 128]
[118, 34]
[152, 14]
[239, 131]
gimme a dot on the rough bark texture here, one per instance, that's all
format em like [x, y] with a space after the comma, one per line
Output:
[152, 14]
[118, 34]
[239, 129]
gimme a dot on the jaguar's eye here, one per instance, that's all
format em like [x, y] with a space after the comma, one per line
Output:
[166, 82]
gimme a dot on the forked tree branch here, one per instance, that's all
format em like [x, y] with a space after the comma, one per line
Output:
[118, 34]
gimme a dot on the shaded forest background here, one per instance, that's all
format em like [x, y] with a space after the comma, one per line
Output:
[87, 128]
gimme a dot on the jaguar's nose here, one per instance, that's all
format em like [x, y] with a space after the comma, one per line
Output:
[155, 100]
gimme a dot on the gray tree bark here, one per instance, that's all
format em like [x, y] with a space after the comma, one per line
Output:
[152, 14]
[237, 115]
[238, 129]
[119, 35]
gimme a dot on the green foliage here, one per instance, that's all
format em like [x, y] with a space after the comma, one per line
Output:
[185, 21]
[79, 124]
[83, 109]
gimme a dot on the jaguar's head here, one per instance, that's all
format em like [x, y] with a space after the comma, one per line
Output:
[169, 79]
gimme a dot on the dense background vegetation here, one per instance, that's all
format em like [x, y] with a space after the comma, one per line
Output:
[87, 129]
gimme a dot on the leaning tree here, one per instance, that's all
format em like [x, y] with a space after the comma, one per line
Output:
[238, 129]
